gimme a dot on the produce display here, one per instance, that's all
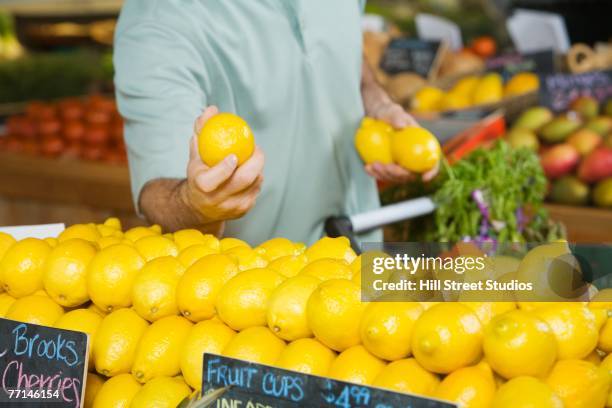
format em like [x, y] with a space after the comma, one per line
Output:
[575, 149]
[88, 129]
[153, 303]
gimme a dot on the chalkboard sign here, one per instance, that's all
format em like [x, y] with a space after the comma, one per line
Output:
[540, 62]
[410, 55]
[557, 91]
[255, 385]
[41, 366]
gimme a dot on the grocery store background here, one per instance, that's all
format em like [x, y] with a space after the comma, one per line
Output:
[62, 156]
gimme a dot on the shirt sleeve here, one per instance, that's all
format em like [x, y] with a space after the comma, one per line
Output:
[160, 92]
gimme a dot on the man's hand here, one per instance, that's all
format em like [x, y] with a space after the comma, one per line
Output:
[224, 191]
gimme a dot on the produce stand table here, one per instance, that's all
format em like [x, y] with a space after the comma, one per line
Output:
[37, 190]
[584, 224]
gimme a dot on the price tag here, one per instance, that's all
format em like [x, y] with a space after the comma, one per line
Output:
[41, 366]
[540, 62]
[410, 55]
[557, 91]
[251, 385]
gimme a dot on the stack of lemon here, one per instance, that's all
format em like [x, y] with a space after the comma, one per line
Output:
[153, 303]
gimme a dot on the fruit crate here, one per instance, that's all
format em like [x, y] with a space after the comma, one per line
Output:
[583, 224]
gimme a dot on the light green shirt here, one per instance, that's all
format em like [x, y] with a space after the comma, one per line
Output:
[290, 68]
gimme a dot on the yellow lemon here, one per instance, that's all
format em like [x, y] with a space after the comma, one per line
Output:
[454, 101]
[326, 269]
[256, 344]
[334, 311]
[306, 356]
[92, 387]
[188, 237]
[605, 337]
[225, 134]
[22, 267]
[97, 310]
[601, 300]
[154, 289]
[108, 232]
[289, 265]
[161, 392]
[111, 275]
[522, 83]
[243, 300]
[36, 310]
[113, 222]
[356, 365]
[446, 337]
[469, 387]
[64, 278]
[106, 242]
[427, 99]
[117, 392]
[594, 357]
[489, 89]
[335, 248]
[580, 384]
[286, 314]
[209, 336]
[518, 343]
[155, 247]
[575, 328]
[51, 241]
[247, 258]
[526, 392]
[138, 233]
[6, 241]
[407, 376]
[160, 348]
[386, 328]
[198, 288]
[415, 149]
[82, 320]
[194, 253]
[373, 142]
[488, 310]
[229, 243]
[6, 301]
[465, 86]
[87, 232]
[279, 247]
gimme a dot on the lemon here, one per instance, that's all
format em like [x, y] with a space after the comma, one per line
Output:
[160, 348]
[161, 392]
[92, 387]
[454, 101]
[605, 337]
[65, 272]
[256, 344]
[334, 311]
[522, 83]
[92, 307]
[489, 89]
[225, 134]
[518, 343]
[22, 267]
[427, 99]
[108, 232]
[209, 336]
[470, 387]
[243, 301]
[111, 275]
[155, 247]
[466, 85]
[407, 376]
[117, 392]
[606, 364]
[446, 337]
[415, 149]
[6, 241]
[113, 222]
[488, 310]
[194, 253]
[87, 232]
[580, 384]
[575, 328]
[137, 233]
[229, 243]
[154, 289]
[188, 237]
[289, 265]
[335, 248]
[81, 320]
[6, 301]
[326, 269]
[106, 242]
[36, 310]
[526, 392]
[356, 365]
[247, 258]
[286, 314]
[116, 342]
[373, 142]
[198, 288]
[51, 241]
[306, 356]
[279, 247]
[386, 328]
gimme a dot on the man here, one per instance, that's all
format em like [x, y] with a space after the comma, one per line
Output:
[293, 70]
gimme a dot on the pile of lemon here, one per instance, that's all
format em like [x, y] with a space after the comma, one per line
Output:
[153, 303]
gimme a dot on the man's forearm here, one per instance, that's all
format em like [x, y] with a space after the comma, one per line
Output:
[164, 202]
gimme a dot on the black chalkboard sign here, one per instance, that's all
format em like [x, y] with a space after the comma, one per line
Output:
[410, 55]
[540, 62]
[41, 366]
[254, 385]
[559, 90]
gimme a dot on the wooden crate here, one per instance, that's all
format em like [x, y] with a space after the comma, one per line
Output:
[584, 224]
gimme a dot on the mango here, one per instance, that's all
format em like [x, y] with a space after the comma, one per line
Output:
[596, 166]
[523, 138]
[559, 160]
[602, 194]
[569, 190]
[584, 140]
[600, 124]
[585, 106]
[533, 118]
[559, 128]
[607, 108]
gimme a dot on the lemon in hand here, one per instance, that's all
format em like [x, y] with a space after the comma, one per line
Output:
[225, 134]
[22, 267]
[407, 376]
[307, 356]
[373, 142]
[415, 149]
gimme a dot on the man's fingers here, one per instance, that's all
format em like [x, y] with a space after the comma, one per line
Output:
[246, 174]
[208, 113]
[431, 174]
[209, 180]
[242, 202]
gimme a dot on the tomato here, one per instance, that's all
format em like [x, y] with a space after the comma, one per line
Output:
[48, 127]
[99, 102]
[73, 130]
[30, 147]
[52, 146]
[116, 131]
[97, 117]
[70, 109]
[484, 46]
[41, 111]
[73, 150]
[93, 153]
[96, 135]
